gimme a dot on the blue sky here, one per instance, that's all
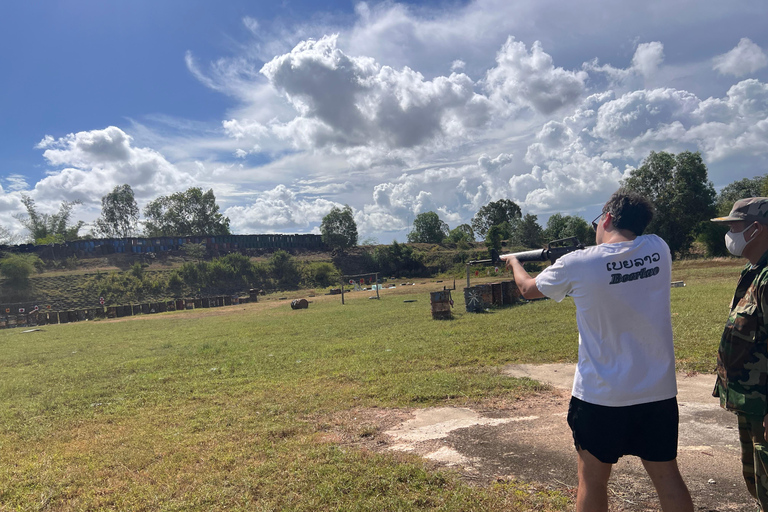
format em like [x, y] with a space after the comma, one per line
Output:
[395, 108]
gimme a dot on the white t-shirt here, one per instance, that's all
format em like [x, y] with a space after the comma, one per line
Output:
[622, 296]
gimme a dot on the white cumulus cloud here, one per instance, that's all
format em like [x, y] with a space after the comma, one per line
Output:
[345, 101]
[96, 161]
[641, 111]
[531, 78]
[745, 58]
[646, 65]
[279, 210]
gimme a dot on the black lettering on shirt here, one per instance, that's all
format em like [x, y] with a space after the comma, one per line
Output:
[642, 274]
[615, 266]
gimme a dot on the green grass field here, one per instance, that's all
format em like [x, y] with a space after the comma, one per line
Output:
[230, 408]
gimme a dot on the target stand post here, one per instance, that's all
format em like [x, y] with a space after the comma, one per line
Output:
[351, 279]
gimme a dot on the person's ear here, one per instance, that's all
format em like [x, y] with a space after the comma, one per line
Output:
[606, 218]
[753, 231]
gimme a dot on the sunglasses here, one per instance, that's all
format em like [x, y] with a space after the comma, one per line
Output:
[597, 219]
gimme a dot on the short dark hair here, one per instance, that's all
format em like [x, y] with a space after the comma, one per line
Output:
[629, 210]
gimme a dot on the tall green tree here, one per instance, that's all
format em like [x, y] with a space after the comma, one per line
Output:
[495, 213]
[119, 214]
[493, 237]
[711, 236]
[48, 228]
[428, 229]
[681, 193]
[747, 187]
[528, 232]
[338, 228]
[189, 213]
[462, 233]
[561, 226]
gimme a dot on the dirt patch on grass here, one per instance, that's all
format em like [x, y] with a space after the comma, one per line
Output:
[529, 440]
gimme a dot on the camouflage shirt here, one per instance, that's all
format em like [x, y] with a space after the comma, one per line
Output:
[742, 359]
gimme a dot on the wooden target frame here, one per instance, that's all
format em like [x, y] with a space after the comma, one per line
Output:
[348, 279]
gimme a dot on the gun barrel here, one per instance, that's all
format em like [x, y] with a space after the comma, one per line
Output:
[535, 255]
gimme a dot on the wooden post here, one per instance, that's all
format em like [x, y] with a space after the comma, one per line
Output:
[467, 275]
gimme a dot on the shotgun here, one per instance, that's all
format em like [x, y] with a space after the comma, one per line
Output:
[554, 250]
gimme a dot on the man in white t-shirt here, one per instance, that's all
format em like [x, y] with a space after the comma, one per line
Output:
[624, 390]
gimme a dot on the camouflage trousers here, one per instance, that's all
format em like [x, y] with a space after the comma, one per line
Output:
[754, 457]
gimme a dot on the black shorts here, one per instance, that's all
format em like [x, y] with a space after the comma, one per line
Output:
[648, 431]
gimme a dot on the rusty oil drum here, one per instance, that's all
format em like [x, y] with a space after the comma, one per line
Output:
[441, 305]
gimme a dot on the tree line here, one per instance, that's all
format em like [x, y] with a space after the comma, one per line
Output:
[189, 213]
[677, 185]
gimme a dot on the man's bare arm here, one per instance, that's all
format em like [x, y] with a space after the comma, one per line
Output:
[525, 283]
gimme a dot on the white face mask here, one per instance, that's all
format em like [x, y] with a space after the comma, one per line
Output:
[736, 242]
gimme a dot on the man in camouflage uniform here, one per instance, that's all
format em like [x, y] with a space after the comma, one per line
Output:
[742, 359]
